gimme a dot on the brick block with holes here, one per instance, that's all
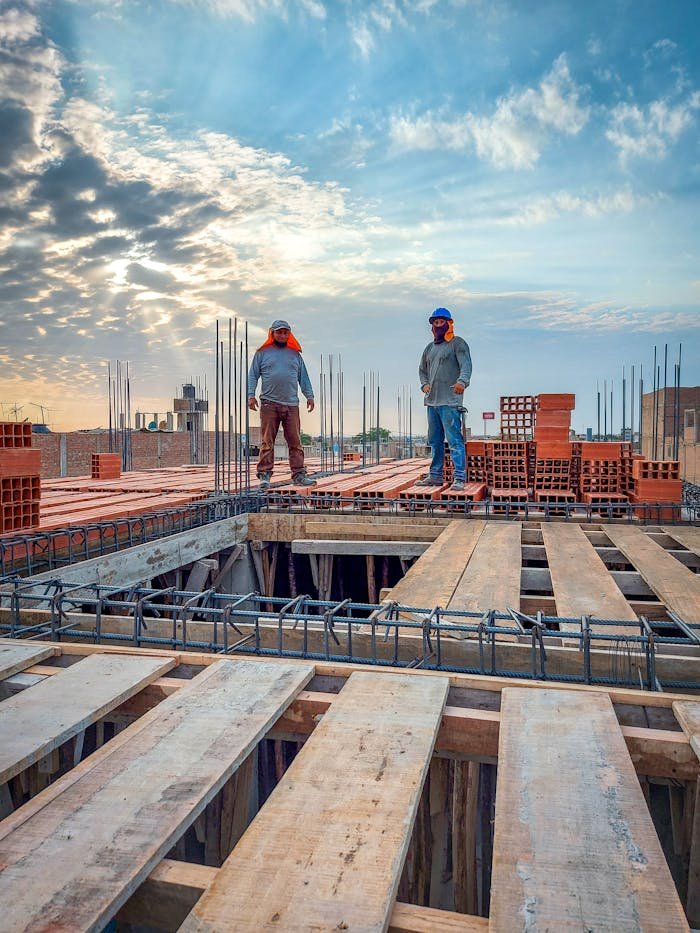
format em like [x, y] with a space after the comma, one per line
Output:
[19, 461]
[15, 434]
[106, 466]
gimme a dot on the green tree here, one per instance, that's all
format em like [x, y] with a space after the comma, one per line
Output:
[305, 439]
[371, 435]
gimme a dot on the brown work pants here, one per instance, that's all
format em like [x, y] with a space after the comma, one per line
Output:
[271, 416]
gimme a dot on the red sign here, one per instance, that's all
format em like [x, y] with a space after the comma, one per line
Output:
[488, 415]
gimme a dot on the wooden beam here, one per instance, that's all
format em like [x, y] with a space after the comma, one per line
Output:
[145, 561]
[173, 888]
[18, 655]
[579, 851]
[39, 720]
[326, 546]
[580, 580]
[338, 850]
[341, 669]
[147, 785]
[432, 580]
[397, 531]
[673, 583]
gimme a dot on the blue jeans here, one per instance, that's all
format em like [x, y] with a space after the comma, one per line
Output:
[444, 421]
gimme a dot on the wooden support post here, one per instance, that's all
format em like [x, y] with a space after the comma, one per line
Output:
[440, 868]
[313, 561]
[371, 580]
[692, 904]
[291, 572]
[6, 803]
[464, 812]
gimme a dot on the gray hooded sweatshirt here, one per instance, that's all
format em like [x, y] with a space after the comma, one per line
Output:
[441, 366]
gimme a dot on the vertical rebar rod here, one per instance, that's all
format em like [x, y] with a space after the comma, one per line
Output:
[379, 448]
[663, 417]
[598, 394]
[641, 407]
[364, 419]
[605, 408]
[230, 389]
[624, 405]
[247, 419]
[655, 401]
[216, 414]
[109, 403]
[632, 408]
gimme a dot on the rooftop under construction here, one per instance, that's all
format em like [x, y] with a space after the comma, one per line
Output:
[362, 705]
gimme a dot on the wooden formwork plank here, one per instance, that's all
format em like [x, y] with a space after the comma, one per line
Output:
[173, 888]
[18, 655]
[327, 850]
[580, 580]
[674, 584]
[688, 715]
[432, 580]
[73, 861]
[40, 719]
[491, 579]
[401, 531]
[574, 844]
[687, 536]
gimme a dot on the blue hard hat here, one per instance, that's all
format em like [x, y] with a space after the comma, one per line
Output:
[440, 313]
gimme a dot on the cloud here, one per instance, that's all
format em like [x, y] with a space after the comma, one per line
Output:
[563, 312]
[648, 132]
[542, 210]
[513, 135]
[250, 10]
[17, 26]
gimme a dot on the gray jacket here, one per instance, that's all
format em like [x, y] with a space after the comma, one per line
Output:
[441, 366]
[281, 370]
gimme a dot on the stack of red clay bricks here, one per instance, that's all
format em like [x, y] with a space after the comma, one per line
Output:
[106, 466]
[553, 417]
[476, 462]
[601, 477]
[449, 467]
[552, 473]
[655, 481]
[517, 417]
[20, 478]
[506, 467]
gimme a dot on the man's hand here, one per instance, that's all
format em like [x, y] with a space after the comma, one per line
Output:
[458, 388]
[309, 404]
[426, 388]
[253, 403]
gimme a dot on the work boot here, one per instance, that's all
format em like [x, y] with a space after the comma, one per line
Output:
[457, 486]
[301, 479]
[429, 481]
[264, 481]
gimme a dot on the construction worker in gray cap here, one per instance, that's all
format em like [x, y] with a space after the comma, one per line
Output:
[445, 371]
[279, 365]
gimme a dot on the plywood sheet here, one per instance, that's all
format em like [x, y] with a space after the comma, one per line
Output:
[19, 655]
[74, 861]
[574, 845]
[327, 849]
[675, 585]
[39, 719]
[580, 580]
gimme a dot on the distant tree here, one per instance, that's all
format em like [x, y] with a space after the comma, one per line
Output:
[305, 439]
[371, 435]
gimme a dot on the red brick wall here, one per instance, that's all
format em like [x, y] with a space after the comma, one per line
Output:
[149, 451]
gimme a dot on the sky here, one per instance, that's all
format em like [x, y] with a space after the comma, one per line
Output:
[349, 166]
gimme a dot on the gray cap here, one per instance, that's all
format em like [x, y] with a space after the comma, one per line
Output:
[278, 325]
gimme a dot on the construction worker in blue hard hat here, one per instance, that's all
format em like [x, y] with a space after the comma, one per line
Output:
[445, 372]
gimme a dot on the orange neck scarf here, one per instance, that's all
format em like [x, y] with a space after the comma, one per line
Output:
[450, 332]
[292, 343]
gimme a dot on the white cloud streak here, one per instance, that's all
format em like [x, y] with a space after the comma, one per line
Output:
[513, 135]
[648, 132]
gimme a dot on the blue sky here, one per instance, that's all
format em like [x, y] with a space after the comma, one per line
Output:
[533, 166]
